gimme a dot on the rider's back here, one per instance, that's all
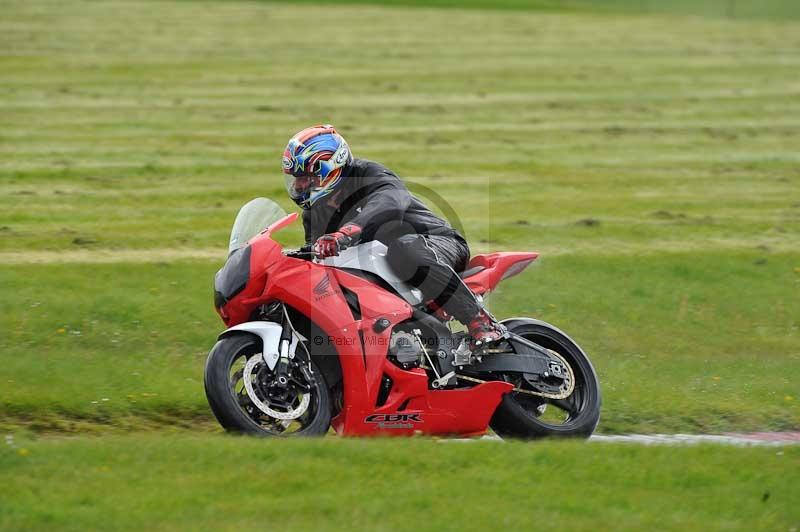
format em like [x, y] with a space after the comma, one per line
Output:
[375, 199]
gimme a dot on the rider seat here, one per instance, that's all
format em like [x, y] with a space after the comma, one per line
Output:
[484, 272]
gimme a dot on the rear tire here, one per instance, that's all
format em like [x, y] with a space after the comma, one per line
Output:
[517, 415]
[230, 407]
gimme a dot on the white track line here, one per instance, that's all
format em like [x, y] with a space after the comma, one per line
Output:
[759, 439]
[773, 439]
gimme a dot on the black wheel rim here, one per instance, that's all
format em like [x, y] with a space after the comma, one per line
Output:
[554, 414]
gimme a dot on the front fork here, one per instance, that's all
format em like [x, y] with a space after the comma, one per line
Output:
[285, 349]
[289, 343]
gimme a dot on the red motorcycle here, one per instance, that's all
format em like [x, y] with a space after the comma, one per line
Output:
[344, 343]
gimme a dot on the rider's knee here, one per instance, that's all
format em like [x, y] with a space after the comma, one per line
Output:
[403, 256]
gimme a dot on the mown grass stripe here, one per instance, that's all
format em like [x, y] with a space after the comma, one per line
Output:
[767, 125]
[487, 99]
[598, 248]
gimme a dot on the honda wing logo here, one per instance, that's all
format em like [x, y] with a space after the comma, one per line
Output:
[323, 286]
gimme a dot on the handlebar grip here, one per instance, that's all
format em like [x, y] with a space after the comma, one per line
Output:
[300, 254]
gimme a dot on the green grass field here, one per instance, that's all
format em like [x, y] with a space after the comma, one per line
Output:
[649, 154]
[175, 481]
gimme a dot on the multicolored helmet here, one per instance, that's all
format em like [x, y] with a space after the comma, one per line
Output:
[313, 162]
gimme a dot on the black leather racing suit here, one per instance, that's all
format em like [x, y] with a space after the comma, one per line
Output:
[423, 249]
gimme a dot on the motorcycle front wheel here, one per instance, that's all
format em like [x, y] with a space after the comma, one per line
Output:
[525, 416]
[246, 396]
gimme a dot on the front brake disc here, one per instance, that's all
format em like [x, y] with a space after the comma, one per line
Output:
[249, 377]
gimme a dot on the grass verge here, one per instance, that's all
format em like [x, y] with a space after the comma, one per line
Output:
[225, 483]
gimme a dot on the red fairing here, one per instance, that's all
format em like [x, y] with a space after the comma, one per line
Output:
[317, 291]
[280, 224]
[264, 251]
[495, 268]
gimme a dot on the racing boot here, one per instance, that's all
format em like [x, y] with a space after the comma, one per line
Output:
[484, 330]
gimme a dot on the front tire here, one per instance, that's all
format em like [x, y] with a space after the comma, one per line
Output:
[524, 416]
[236, 411]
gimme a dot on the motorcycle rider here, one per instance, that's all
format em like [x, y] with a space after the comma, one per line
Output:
[348, 200]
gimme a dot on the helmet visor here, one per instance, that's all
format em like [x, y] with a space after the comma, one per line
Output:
[300, 187]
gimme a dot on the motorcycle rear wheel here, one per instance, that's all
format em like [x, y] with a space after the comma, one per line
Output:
[235, 410]
[524, 416]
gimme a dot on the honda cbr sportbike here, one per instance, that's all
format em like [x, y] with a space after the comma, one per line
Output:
[344, 342]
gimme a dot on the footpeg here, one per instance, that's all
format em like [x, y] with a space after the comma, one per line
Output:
[443, 380]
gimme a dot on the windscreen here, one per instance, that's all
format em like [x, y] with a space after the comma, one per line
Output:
[253, 218]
